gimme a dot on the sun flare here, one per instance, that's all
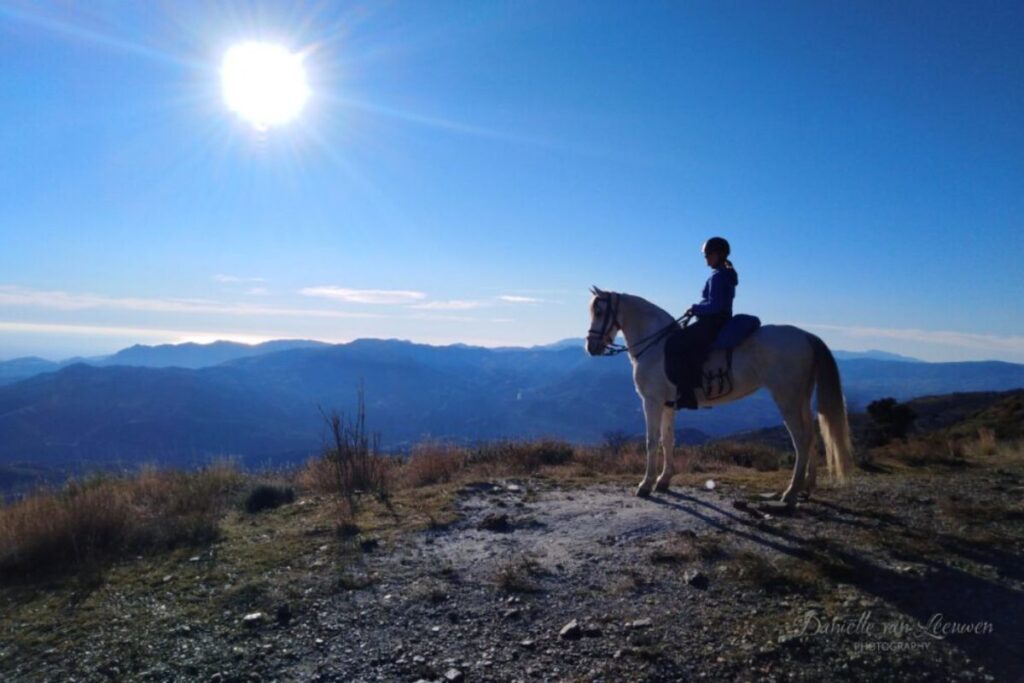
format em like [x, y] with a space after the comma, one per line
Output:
[263, 83]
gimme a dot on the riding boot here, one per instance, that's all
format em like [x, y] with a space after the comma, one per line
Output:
[685, 395]
[686, 398]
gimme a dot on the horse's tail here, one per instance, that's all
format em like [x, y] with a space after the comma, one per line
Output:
[835, 428]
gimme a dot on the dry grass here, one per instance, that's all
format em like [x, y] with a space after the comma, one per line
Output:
[105, 517]
[519, 458]
[432, 463]
[520, 575]
[740, 454]
[946, 451]
[439, 463]
[986, 443]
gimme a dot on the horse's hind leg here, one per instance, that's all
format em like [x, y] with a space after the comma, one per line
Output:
[668, 438]
[812, 452]
[652, 415]
[796, 413]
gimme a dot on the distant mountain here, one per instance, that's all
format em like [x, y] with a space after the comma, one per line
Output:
[268, 406]
[192, 355]
[873, 355]
[188, 355]
[22, 368]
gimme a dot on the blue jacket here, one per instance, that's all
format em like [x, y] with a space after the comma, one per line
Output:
[718, 294]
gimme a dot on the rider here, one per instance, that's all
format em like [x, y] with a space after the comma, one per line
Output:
[687, 349]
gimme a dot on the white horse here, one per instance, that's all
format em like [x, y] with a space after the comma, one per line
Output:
[786, 360]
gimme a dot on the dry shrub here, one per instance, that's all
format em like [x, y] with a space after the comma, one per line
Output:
[504, 458]
[922, 451]
[104, 517]
[629, 459]
[433, 463]
[757, 456]
[986, 444]
[268, 496]
[351, 464]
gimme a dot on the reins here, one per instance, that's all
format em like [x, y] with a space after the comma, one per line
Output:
[613, 349]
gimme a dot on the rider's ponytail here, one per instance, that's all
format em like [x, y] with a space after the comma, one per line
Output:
[728, 264]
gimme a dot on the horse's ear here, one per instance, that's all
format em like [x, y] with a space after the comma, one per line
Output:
[595, 290]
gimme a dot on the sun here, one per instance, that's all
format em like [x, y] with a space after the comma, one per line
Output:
[264, 83]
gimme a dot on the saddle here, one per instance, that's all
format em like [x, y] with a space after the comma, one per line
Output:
[718, 383]
[732, 334]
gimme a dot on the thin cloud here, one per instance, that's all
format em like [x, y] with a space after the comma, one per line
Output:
[966, 340]
[513, 299]
[235, 279]
[386, 297]
[458, 318]
[63, 301]
[257, 291]
[134, 332]
[452, 305]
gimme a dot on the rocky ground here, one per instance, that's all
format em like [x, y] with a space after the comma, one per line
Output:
[903, 575]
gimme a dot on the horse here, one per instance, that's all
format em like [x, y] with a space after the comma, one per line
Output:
[791, 363]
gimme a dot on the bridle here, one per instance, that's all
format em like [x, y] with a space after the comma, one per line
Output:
[611, 319]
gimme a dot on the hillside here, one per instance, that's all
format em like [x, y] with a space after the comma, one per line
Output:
[267, 405]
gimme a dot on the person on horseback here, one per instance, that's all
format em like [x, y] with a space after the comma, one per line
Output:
[687, 349]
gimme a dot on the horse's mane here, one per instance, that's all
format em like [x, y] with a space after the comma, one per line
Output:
[649, 308]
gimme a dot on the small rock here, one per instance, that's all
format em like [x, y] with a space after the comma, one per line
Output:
[570, 631]
[194, 558]
[454, 676]
[514, 488]
[527, 643]
[696, 578]
[512, 613]
[641, 623]
[495, 522]
[253, 619]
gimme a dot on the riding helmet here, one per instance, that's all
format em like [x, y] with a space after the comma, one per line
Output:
[716, 244]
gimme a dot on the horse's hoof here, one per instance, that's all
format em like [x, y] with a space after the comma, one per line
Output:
[641, 492]
[777, 507]
[771, 495]
[662, 486]
[804, 495]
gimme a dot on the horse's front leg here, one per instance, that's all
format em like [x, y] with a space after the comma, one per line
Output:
[652, 416]
[668, 444]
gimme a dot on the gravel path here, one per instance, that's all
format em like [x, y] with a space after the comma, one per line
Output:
[534, 582]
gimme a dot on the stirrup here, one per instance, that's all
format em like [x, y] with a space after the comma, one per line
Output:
[685, 399]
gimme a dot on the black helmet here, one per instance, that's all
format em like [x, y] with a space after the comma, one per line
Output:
[716, 244]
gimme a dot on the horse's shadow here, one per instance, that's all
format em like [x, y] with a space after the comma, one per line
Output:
[956, 595]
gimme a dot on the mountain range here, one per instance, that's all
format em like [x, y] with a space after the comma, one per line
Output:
[186, 403]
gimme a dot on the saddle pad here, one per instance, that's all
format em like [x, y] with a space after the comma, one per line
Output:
[738, 328]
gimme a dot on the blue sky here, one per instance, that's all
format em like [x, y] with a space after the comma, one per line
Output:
[463, 172]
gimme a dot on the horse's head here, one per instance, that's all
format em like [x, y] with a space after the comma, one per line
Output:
[604, 321]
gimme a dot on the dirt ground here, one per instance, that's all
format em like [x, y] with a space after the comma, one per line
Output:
[902, 575]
